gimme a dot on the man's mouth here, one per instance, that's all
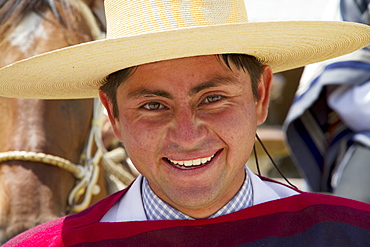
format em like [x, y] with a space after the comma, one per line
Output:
[191, 164]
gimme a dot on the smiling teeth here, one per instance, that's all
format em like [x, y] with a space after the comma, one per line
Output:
[189, 163]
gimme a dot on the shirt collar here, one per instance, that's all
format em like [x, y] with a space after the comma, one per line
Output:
[156, 209]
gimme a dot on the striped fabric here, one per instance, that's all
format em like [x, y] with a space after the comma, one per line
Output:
[157, 209]
[317, 141]
[328, 114]
[306, 219]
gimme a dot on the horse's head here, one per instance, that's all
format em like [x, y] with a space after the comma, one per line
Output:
[30, 191]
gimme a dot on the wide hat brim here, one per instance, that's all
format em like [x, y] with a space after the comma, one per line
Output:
[78, 71]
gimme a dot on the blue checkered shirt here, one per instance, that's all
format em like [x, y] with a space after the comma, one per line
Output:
[156, 209]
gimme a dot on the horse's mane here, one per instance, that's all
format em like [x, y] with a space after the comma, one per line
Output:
[13, 11]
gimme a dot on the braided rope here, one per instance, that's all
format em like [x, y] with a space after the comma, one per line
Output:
[48, 159]
[115, 168]
[88, 173]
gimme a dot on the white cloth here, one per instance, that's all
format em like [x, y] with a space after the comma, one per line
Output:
[130, 207]
[352, 103]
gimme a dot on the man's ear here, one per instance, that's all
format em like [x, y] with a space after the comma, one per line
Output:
[113, 120]
[263, 94]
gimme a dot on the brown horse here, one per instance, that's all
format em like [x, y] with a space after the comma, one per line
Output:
[34, 190]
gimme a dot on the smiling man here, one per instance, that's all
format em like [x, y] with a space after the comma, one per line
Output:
[185, 85]
[195, 119]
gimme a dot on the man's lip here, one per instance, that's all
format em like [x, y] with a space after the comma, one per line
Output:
[191, 164]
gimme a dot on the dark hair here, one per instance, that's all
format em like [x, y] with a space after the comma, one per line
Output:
[241, 61]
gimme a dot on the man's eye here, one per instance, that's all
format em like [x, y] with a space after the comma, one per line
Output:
[212, 98]
[153, 106]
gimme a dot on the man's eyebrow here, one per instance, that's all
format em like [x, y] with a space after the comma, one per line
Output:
[146, 92]
[213, 82]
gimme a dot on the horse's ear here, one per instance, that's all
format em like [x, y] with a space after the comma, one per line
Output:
[113, 120]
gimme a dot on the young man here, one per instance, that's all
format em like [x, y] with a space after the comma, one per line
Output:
[185, 99]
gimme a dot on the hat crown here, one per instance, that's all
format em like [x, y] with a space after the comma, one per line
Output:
[133, 17]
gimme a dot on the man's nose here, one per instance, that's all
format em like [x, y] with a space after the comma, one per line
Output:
[186, 130]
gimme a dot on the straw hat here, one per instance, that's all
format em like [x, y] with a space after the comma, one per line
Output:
[141, 32]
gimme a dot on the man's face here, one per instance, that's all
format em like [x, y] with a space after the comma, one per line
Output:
[189, 126]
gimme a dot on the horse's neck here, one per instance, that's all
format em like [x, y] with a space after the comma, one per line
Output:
[24, 123]
[31, 122]
[56, 127]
